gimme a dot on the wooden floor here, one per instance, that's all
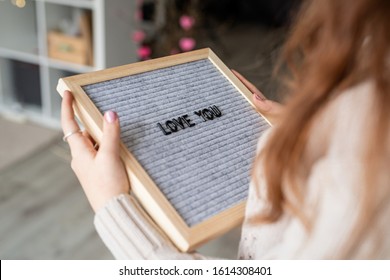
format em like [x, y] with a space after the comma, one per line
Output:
[43, 211]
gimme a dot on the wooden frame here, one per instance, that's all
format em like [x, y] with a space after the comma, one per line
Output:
[184, 237]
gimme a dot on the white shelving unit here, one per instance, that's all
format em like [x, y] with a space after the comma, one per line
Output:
[28, 76]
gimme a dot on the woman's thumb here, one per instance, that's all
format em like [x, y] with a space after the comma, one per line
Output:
[262, 104]
[268, 108]
[111, 133]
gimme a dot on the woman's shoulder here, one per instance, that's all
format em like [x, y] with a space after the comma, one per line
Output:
[342, 122]
[353, 104]
[341, 127]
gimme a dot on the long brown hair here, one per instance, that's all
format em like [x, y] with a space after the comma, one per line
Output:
[333, 46]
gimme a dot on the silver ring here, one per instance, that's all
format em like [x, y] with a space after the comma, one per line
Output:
[66, 136]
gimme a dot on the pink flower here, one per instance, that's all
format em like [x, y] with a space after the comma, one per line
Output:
[138, 36]
[187, 44]
[144, 52]
[186, 22]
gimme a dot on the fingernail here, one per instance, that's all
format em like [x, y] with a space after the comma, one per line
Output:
[110, 116]
[258, 97]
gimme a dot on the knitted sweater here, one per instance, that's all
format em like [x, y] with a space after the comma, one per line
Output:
[331, 173]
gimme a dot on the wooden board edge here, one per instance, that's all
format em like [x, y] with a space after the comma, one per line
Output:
[234, 81]
[184, 237]
[92, 122]
[178, 233]
[140, 67]
[216, 225]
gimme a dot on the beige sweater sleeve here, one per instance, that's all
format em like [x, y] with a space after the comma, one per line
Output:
[130, 234]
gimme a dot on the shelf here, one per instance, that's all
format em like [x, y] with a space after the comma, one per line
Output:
[68, 66]
[19, 55]
[21, 46]
[5, 82]
[21, 85]
[18, 28]
[86, 4]
[54, 63]
[57, 13]
[60, 22]
[32, 114]
[28, 76]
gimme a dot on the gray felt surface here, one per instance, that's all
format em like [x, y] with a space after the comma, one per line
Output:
[204, 169]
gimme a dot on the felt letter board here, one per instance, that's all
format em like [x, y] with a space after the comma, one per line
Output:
[189, 133]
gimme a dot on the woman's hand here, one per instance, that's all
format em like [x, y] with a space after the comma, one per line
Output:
[101, 173]
[269, 109]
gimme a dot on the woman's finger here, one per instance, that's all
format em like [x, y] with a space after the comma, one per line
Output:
[249, 85]
[77, 142]
[268, 108]
[111, 134]
[88, 136]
